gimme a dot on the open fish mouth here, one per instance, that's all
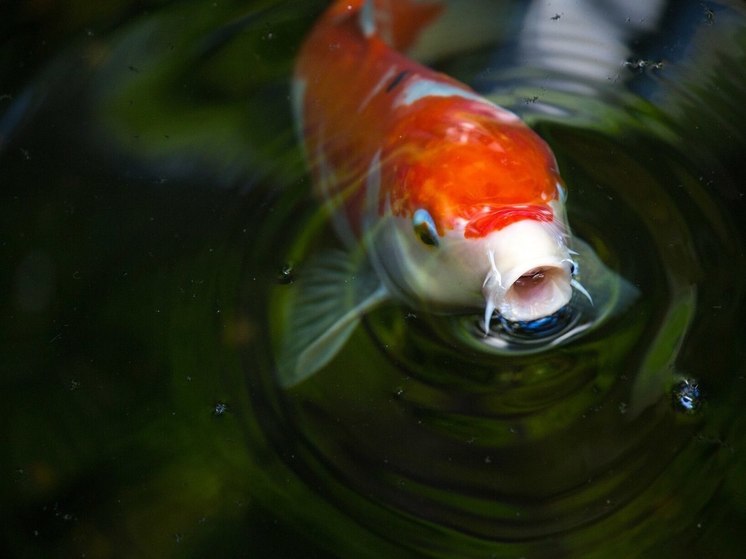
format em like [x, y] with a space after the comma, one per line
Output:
[537, 293]
[529, 295]
[530, 274]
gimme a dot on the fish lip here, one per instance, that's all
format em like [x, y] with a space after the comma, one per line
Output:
[541, 329]
[529, 274]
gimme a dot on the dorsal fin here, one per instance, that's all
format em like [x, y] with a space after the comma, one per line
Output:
[397, 22]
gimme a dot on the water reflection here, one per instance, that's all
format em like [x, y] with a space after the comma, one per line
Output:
[575, 446]
[154, 217]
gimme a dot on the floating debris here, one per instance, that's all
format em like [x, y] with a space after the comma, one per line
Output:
[286, 274]
[220, 409]
[687, 396]
[709, 15]
[641, 65]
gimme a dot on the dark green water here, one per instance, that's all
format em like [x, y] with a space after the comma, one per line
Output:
[156, 214]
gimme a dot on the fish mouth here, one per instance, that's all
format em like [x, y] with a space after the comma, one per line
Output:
[532, 294]
[537, 293]
[530, 273]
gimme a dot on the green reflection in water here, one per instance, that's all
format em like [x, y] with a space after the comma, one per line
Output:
[147, 212]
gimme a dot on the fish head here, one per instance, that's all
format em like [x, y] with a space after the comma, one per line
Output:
[479, 219]
[523, 270]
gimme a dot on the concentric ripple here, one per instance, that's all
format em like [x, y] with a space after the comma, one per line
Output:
[617, 437]
[578, 444]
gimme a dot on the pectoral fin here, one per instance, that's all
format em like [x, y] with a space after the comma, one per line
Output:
[332, 293]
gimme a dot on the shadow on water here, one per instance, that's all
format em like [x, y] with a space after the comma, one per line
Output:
[157, 215]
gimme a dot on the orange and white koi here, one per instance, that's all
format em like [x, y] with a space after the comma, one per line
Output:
[458, 203]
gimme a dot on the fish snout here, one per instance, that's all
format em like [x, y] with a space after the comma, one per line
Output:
[530, 274]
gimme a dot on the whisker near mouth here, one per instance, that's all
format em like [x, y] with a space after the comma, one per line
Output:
[579, 286]
[489, 310]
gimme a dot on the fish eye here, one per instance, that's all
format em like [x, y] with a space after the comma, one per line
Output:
[424, 227]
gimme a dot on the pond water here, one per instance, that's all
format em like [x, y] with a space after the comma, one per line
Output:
[157, 216]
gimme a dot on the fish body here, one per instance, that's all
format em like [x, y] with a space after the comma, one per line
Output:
[455, 197]
[457, 203]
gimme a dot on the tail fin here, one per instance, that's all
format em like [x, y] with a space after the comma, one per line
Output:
[397, 22]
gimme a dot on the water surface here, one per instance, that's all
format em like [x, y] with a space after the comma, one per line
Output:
[157, 214]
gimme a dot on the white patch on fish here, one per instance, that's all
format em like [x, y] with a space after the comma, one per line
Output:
[367, 19]
[417, 89]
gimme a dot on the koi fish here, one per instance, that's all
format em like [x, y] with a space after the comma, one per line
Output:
[445, 201]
